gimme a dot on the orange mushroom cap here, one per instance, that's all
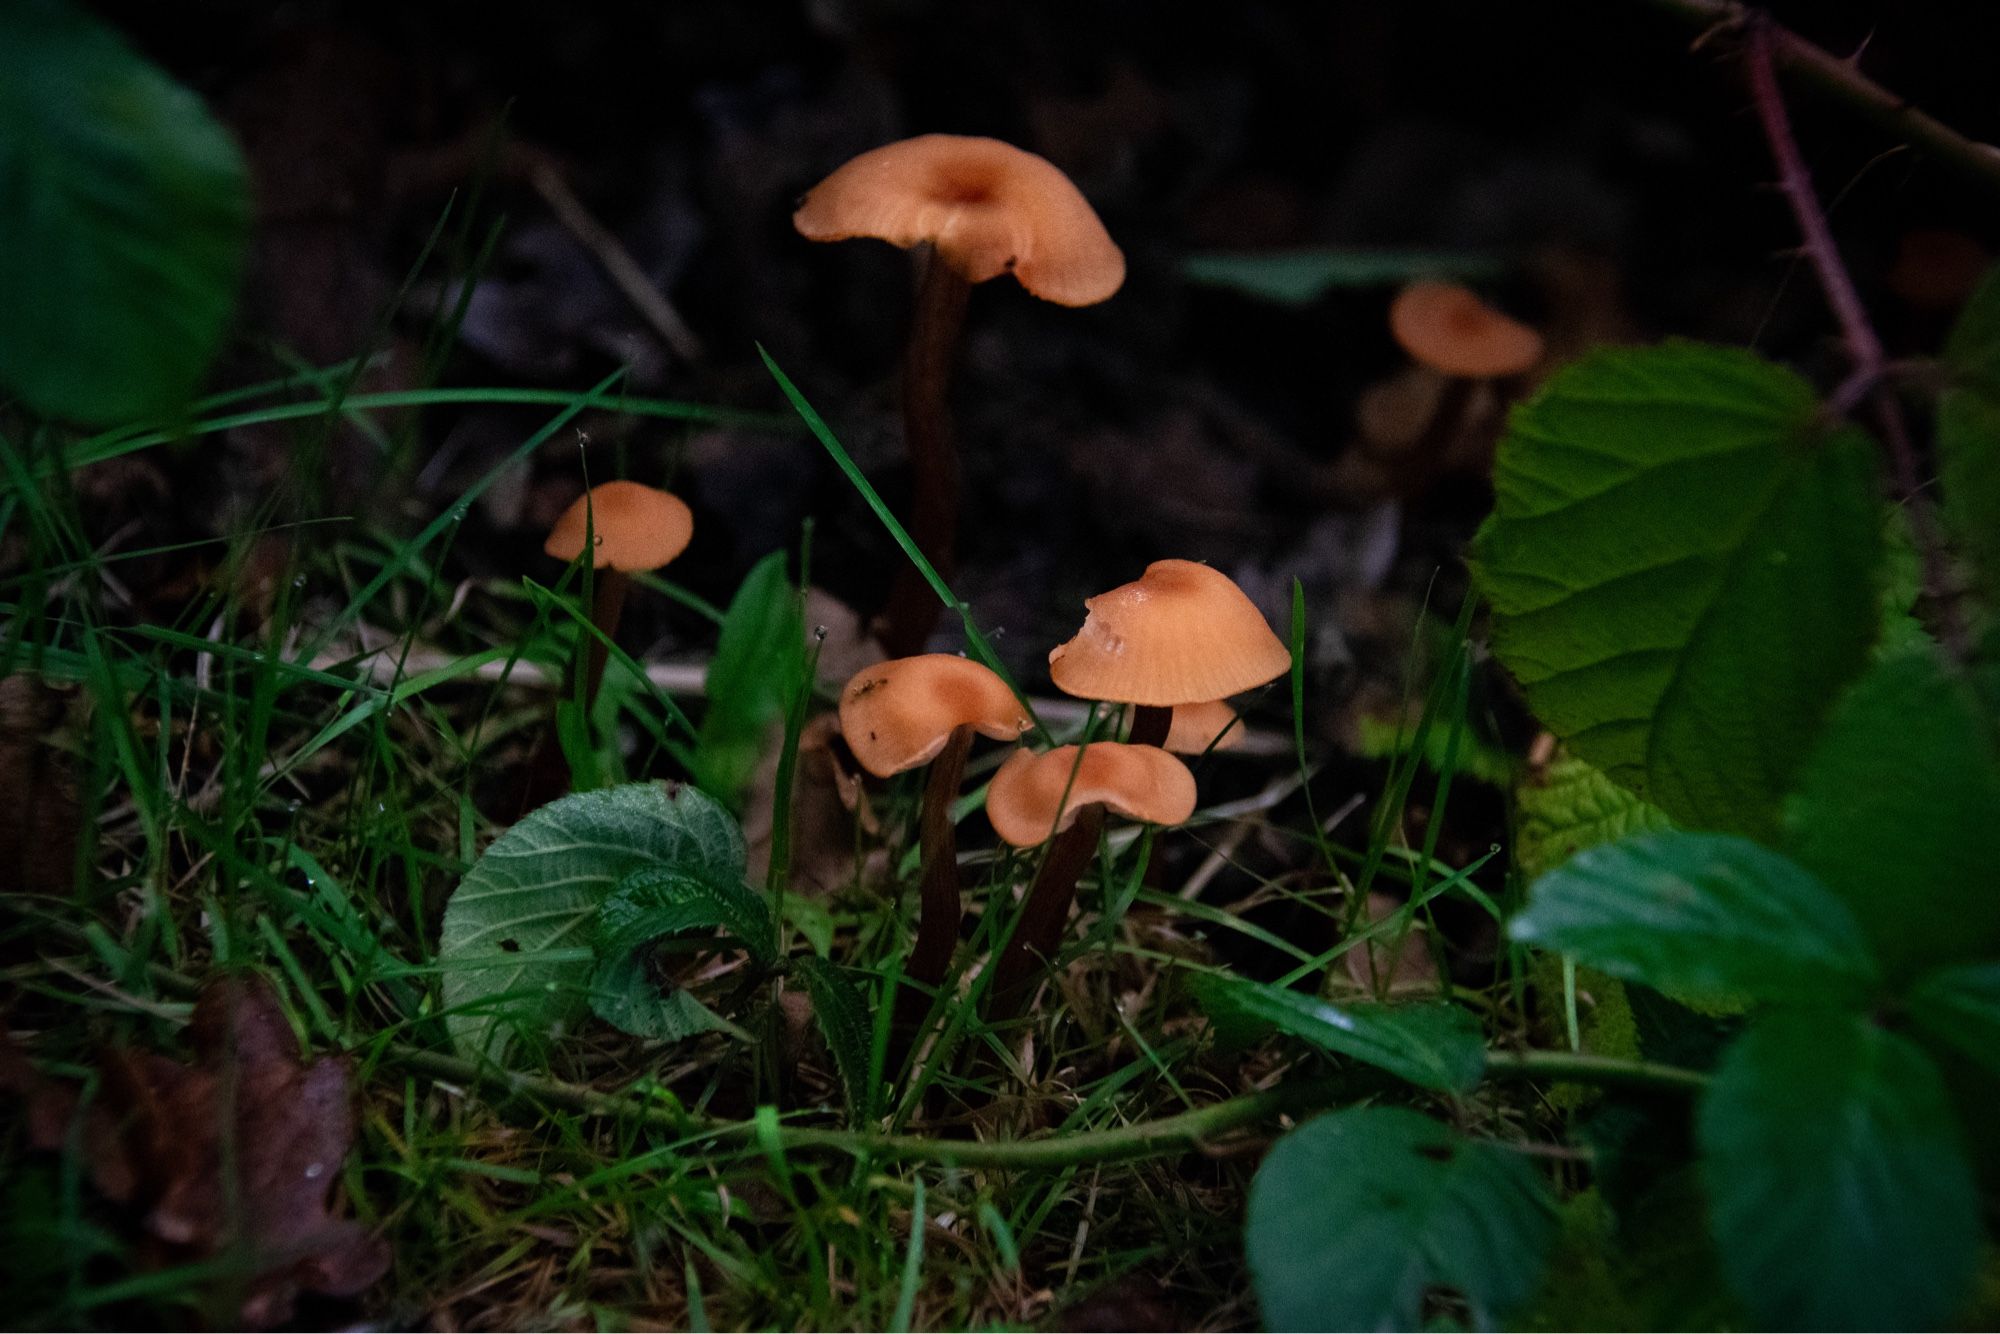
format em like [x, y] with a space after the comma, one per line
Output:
[1448, 328]
[898, 714]
[1139, 782]
[637, 527]
[1182, 633]
[986, 206]
[1198, 728]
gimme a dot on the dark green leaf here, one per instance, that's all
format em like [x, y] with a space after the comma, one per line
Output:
[1840, 1193]
[758, 663]
[517, 944]
[655, 902]
[1960, 1007]
[843, 1016]
[124, 213]
[1681, 565]
[1301, 277]
[1355, 1216]
[1569, 806]
[625, 994]
[1968, 448]
[1436, 1046]
[1896, 812]
[1711, 916]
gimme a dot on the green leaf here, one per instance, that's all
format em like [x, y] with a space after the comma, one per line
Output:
[625, 994]
[1355, 1216]
[1569, 806]
[1961, 1008]
[759, 661]
[516, 943]
[1301, 277]
[1841, 1197]
[124, 214]
[1681, 565]
[648, 906]
[1436, 1046]
[1968, 433]
[1896, 811]
[843, 1016]
[1712, 916]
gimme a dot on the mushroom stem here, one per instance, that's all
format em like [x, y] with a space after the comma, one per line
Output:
[1446, 419]
[940, 908]
[1044, 913]
[607, 608]
[1150, 724]
[912, 608]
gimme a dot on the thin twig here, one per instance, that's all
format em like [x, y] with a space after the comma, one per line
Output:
[1843, 81]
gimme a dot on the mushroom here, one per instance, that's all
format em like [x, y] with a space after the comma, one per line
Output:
[630, 527]
[1182, 633]
[908, 712]
[1198, 729]
[979, 208]
[1447, 329]
[1063, 795]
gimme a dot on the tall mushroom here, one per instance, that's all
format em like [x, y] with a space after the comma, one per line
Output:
[1182, 633]
[979, 208]
[632, 528]
[907, 712]
[1063, 794]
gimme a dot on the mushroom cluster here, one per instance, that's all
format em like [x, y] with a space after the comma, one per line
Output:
[1173, 644]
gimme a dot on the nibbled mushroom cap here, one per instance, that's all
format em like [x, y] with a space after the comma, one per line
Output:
[1448, 328]
[636, 527]
[988, 208]
[1182, 633]
[1198, 728]
[1138, 782]
[898, 714]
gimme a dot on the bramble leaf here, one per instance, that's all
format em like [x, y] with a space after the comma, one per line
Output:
[1682, 567]
[1960, 1007]
[1433, 1045]
[1570, 806]
[1355, 1216]
[1968, 432]
[1840, 1193]
[759, 661]
[843, 1016]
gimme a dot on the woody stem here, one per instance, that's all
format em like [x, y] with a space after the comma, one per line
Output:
[913, 607]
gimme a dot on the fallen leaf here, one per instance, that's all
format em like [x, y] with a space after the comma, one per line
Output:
[236, 1154]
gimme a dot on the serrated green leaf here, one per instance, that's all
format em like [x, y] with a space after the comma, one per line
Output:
[1681, 565]
[625, 994]
[1960, 1007]
[1570, 806]
[1301, 277]
[515, 945]
[844, 1019]
[1436, 1046]
[1968, 454]
[758, 664]
[124, 216]
[1841, 1196]
[655, 902]
[1355, 1216]
[1896, 810]
[1707, 915]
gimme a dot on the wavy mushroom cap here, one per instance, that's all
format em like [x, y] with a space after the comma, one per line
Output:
[1181, 633]
[1448, 328]
[1199, 728]
[898, 714]
[636, 527]
[1139, 782]
[987, 207]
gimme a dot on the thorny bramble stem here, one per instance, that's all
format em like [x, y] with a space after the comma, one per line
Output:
[1864, 348]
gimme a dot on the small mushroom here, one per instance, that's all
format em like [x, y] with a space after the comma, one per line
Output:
[1064, 794]
[979, 208]
[908, 712]
[1182, 633]
[1446, 328]
[630, 527]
